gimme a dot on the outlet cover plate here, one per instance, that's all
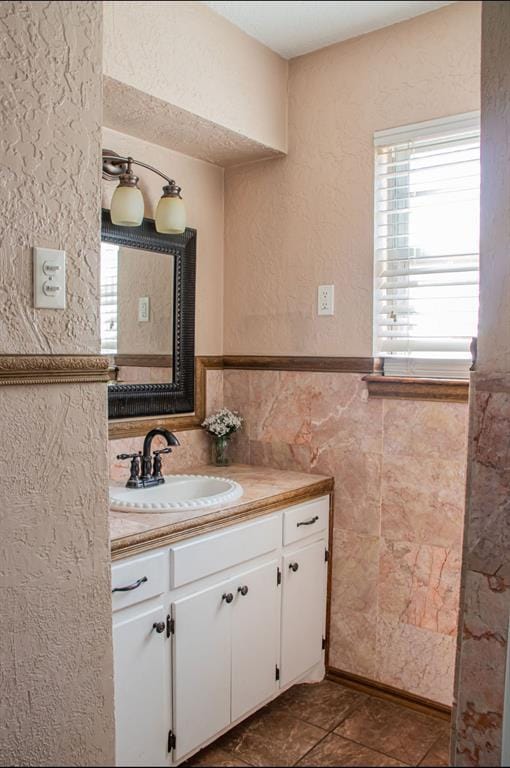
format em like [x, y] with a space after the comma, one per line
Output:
[326, 300]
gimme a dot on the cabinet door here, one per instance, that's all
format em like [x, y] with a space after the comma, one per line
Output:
[201, 666]
[303, 593]
[255, 636]
[142, 689]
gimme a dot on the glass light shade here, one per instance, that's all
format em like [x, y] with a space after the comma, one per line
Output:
[127, 207]
[171, 216]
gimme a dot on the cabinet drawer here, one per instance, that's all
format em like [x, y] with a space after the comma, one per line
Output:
[305, 519]
[193, 560]
[138, 580]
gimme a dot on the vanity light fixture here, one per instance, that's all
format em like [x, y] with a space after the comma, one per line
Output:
[127, 206]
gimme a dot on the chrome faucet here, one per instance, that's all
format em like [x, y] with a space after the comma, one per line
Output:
[146, 468]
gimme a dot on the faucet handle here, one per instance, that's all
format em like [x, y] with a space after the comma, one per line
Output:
[134, 470]
[156, 467]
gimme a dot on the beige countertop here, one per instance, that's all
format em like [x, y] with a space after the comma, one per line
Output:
[265, 490]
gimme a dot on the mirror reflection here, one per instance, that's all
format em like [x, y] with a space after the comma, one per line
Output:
[137, 313]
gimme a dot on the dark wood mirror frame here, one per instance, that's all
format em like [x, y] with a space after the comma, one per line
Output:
[127, 401]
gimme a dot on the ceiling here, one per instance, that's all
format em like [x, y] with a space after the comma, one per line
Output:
[294, 27]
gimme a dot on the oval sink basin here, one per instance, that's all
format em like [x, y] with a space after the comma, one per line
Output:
[178, 492]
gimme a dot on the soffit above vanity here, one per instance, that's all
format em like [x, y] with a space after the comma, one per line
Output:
[129, 110]
[181, 76]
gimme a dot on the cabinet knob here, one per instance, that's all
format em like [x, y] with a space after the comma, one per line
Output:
[294, 567]
[243, 590]
[227, 597]
[159, 626]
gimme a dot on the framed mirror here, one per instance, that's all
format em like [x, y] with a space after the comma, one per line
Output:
[148, 318]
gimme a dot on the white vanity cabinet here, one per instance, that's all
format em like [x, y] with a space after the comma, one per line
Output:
[303, 597]
[141, 660]
[221, 625]
[225, 650]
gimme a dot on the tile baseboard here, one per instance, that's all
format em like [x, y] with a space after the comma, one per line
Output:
[389, 693]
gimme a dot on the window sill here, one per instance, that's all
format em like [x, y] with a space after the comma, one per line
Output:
[406, 388]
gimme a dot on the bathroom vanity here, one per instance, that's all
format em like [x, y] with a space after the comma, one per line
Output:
[216, 612]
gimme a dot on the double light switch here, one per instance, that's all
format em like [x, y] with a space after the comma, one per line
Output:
[49, 278]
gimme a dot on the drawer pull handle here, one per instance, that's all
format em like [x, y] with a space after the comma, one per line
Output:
[308, 522]
[294, 567]
[227, 597]
[159, 626]
[243, 590]
[131, 586]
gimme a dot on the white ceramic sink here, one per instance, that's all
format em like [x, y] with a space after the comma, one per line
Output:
[178, 492]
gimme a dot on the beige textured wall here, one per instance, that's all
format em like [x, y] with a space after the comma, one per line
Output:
[306, 219]
[233, 81]
[145, 274]
[202, 190]
[56, 703]
[50, 115]
[485, 598]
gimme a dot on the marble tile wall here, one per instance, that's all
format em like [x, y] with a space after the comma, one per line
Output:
[483, 629]
[479, 718]
[399, 469]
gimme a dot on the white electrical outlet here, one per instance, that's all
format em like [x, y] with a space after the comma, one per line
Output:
[143, 309]
[326, 300]
[49, 269]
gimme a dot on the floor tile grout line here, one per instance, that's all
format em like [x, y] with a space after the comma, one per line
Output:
[331, 730]
[343, 718]
[380, 751]
[292, 717]
[322, 728]
[430, 750]
[359, 744]
[328, 733]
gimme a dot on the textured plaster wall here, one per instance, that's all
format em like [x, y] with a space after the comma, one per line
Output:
[56, 702]
[485, 596]
[216, 72]
[202, 190]
[306, 219]
[137, 113]
[398, 514]
[50, 116]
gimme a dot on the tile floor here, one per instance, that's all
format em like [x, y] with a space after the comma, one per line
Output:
[329, 725]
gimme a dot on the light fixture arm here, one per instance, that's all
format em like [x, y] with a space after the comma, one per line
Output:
[115, 165]
[127, 204]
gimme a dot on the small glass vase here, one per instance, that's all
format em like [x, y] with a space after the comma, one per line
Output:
[220, 451]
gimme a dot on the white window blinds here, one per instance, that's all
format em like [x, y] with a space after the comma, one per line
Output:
[108, 307]
[427, 190]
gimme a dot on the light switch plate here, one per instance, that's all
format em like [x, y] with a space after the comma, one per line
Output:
[326, 300]
[143, 309]
[49, 267]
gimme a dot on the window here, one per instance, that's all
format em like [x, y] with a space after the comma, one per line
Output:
[108, 307]
[427, 197]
